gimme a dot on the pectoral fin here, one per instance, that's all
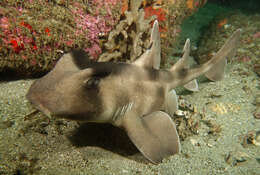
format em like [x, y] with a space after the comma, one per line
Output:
[171, 103]
[155, 135]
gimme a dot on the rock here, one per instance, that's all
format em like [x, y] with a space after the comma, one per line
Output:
[242, 51]
[250, 45]
[235, 158]
[194, 142]
[257, 113]
[252, 137]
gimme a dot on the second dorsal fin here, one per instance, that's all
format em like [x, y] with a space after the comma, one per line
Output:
[183, 63]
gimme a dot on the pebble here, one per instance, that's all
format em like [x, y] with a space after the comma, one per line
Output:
[180, 113]
[226, 26]
[250, 45]
[234, 158]
[257, 113]
[194, 142]
[240, 50]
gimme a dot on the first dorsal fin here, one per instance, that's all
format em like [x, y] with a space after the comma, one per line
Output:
[152, 57]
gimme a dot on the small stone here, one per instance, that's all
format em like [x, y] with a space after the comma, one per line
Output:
[235, 158]
[226, 26]
[241, 156]
[257, 113]
[240, 50]
[194, 142]
[251, 45]
[180, 113]
[124, 171]
[252, 137]
[209, 145]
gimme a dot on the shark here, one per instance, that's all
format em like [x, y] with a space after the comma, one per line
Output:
[138, 97]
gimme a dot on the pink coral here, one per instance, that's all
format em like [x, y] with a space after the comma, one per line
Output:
[4, 23]
[256, 35]
[92, 26]
[26, 37]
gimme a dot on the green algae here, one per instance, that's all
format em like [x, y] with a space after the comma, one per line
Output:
[194, 26]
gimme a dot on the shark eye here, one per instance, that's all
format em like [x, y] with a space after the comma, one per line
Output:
[92, 82]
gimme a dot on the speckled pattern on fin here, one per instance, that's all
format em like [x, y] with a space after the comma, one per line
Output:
[155, 135]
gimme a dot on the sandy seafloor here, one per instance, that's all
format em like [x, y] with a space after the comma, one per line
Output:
[36, 145]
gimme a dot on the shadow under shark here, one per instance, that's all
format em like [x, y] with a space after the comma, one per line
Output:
[130, 96]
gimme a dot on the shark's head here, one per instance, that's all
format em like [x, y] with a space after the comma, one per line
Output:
[67, 91]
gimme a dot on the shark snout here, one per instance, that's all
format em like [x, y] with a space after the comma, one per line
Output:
[40, 107]
[39, 103]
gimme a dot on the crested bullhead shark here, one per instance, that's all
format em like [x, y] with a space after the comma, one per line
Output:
[137, 97]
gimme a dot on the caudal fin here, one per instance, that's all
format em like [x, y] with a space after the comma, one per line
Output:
[214, 68]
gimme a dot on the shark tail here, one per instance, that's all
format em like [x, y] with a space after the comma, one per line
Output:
[213, 69]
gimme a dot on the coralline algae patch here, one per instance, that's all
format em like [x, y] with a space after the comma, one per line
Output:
[34, 34]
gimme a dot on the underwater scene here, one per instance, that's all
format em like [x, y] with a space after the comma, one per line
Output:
[129, 87]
